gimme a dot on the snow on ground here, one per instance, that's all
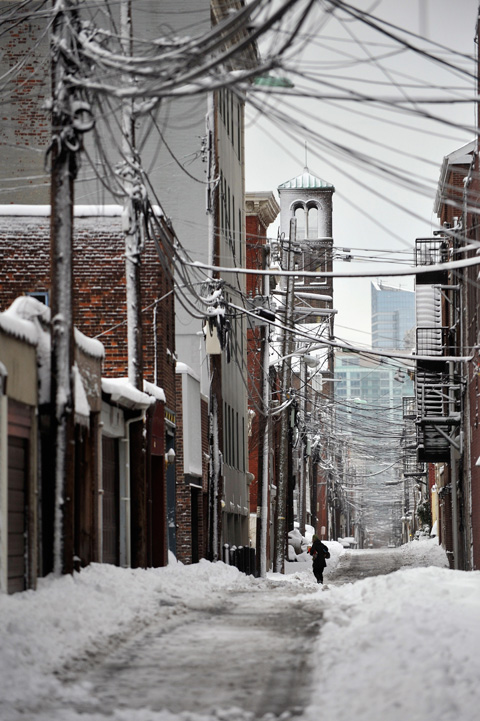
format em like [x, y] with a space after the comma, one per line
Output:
[401, 646]
[392, 647]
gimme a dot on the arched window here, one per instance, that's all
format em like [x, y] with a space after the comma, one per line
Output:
[312, 222]
[300, 216]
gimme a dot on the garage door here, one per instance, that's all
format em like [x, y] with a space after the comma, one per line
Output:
[17, 483]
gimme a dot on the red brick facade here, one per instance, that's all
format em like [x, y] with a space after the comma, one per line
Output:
[191, 501]
[99, 290]
[262, 209]
[463, 194]
[24, 119]
[99, 301]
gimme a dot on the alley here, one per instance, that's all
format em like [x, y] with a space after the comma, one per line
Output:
[207, 643]
[355, 565]
[249, 651]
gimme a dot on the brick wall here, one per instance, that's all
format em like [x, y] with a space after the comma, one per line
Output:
[184, 511]
[24, 122]
[183, 500]
[99, 290]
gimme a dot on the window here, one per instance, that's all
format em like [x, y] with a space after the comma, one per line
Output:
[243, 445]
[239, 132]
[237, 443]
[234, 234]
[240, 236]
[227, 103]
[41, 295]
[222, 203]
[313, 222]
[300, 217]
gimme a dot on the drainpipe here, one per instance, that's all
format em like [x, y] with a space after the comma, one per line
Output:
[262, 530]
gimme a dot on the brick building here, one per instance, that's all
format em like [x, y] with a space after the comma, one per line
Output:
[100, 311]
[209, 131]
[458, 479]
[261, 211]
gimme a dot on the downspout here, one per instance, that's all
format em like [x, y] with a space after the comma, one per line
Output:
[266, 444]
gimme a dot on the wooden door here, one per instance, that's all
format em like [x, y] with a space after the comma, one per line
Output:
[110, 502]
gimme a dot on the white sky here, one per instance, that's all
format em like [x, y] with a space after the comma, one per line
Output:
[400, 646]
[338, 52]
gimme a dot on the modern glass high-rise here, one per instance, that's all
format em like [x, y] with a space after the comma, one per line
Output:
[369, 390]
[393, 317]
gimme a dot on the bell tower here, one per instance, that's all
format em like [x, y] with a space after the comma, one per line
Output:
[308, 198]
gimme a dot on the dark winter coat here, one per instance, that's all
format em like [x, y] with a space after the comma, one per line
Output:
[320, 553]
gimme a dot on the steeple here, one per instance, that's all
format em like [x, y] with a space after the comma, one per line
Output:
[306, 181]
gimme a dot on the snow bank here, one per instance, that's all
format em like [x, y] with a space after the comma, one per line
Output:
[400, 646]
[390, 648]
[74, 616]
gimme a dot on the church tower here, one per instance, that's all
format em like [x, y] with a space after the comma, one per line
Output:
[308, 198]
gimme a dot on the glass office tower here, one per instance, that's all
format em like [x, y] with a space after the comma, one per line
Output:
[393, 317]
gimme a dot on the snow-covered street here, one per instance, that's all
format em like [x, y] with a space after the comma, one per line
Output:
[206, 642]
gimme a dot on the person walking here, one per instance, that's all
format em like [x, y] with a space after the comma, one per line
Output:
[319, 553]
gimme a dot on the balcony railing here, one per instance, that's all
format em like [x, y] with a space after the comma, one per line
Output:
[430, 251]
[411, 466]
[409, 407]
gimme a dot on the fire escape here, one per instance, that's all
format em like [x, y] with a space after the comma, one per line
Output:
[414, 471]
[437, 390]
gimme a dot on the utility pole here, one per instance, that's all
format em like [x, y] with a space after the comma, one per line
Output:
[64, 147]
[302, 490]
[133, 189]
[263, 476]
[282, 490]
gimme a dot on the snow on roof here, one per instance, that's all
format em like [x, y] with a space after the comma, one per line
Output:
[79, 211]
[90, 346]
[184, 368]
[18, 327]
[19, 319]
[306, 181]
[81, 404]
[25, 309]
[154, 391]
[125, 394]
